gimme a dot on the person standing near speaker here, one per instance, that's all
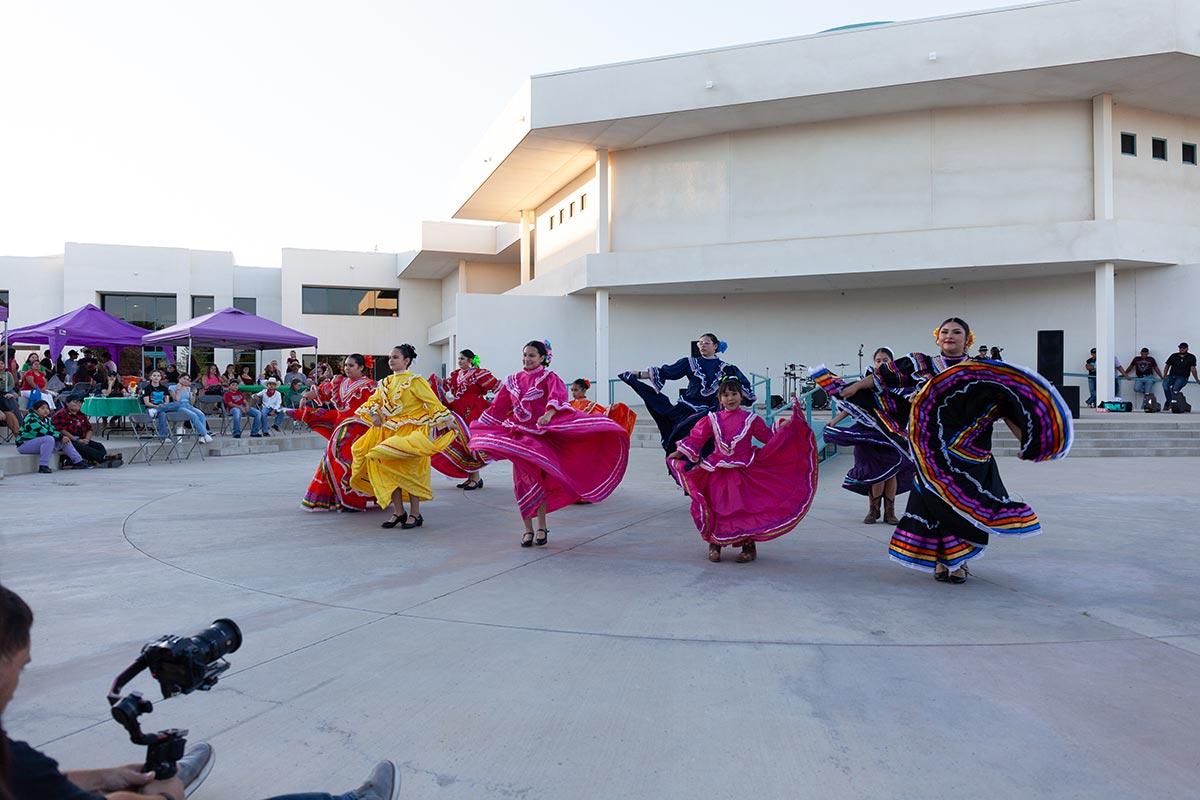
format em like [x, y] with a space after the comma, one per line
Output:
[1144, 367]
[1090, 366]
[1178, 366]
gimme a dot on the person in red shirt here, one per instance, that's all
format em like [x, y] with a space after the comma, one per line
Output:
[236, 407]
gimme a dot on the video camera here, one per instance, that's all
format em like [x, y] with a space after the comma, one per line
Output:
[181, 665]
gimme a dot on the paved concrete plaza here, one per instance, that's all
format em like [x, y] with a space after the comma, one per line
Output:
[618, 662]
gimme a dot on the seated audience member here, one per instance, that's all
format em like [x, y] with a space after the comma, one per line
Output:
[171, 374]
[298, 388]
[110, 384]
[995, 353]
[246, 376]
[211, 382]
[47, 364]
[70, 420]
[229, 375]
[236, 407]
[1178, 366]
[1144, 367]
[38, 436]
[182, 395]
[156, 397]
[10, 401]
[33, 386]
[27, 774]
[32, 364]
[271, 400]
[294, 373]
[272, 371]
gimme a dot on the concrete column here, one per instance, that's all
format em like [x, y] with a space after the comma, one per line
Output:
[527, 220]
[603, 369]
[1106, 324]
[603, 206]
[1104, 193]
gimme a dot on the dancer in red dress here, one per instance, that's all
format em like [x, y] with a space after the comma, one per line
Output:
[464, 392]
[741, 494]
[620, 413]
[336, 421]
[559, 455]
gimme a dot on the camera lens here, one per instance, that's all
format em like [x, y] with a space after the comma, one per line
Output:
[219, 639]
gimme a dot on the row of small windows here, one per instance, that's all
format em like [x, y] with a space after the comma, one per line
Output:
[1158, 148]
[567, 211]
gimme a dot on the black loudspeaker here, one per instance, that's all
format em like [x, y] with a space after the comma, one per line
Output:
[1071, 395]
[1050, 356]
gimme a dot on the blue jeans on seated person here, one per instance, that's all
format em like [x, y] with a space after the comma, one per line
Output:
[194, 414]
[1171, 386]
[235, 413]
[1143, 385]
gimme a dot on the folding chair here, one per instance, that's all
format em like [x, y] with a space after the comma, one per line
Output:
[213, 406]
[145, 433]
[178, 418]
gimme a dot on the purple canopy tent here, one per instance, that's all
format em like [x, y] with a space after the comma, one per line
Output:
[233, 328]
[86, 326]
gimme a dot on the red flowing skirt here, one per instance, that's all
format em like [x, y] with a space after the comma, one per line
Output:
[330, 487]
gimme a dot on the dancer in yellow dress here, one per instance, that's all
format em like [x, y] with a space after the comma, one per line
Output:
[391, 460]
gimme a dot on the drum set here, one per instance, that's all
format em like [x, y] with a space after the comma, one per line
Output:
[797, 381]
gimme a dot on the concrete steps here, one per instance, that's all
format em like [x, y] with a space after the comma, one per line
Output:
[13, 463]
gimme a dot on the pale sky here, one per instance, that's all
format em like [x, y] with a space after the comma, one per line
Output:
[251, 126]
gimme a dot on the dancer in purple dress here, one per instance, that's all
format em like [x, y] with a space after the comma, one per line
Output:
[880, 470]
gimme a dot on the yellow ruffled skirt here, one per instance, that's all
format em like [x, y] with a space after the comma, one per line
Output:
[389, 459]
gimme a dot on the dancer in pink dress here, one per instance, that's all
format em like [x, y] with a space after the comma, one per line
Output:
[559, 455]
[741, 494]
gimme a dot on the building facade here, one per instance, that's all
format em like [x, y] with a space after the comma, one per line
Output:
[1025, 168]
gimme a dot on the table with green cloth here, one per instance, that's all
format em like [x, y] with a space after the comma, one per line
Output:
[107, 408]
[255, 388]
[112, 406]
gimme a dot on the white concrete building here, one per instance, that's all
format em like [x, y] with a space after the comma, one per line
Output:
[151, 286]
[1024, 168]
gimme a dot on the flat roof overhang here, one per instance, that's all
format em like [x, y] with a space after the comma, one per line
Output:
[905, 258]
[445, 244]
[1067, 50]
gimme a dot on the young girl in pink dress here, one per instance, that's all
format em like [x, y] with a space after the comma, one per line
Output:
[559, 455]
[741, 494]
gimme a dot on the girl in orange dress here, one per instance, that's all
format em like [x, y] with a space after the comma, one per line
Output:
[464, 392]
[620, 413]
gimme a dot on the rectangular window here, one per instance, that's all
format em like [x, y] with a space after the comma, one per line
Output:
[582, 202]
[247, 304]
[1129, 144]
[4, 297]
[1158, 149]
[347, 302]
[1189, 153]
[150, 311]
[202, 304]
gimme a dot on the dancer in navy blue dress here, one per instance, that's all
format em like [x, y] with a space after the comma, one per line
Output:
[676, 419]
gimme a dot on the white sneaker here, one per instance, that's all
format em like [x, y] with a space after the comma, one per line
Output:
[206, 438]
